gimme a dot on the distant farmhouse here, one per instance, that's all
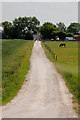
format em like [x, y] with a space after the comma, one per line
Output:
[37, 36]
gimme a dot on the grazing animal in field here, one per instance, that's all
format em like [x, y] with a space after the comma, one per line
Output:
[62, 45]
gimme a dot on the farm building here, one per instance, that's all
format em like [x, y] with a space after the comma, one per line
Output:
[37, 36]
[77, 37]
[70, 38]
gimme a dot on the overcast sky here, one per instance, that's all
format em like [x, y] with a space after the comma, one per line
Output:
[39, 0]
[54, 12]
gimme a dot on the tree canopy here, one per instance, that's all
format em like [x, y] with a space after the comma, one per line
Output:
[74, 28]
[26, 27]
[61, 26]
[7, 27]
[21, 28]
[47, 30]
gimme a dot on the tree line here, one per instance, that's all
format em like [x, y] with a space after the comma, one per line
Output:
[21, 28]
[26, 27]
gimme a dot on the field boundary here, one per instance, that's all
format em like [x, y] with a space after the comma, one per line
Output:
[17, 67]
[68, 70]
[55, 57]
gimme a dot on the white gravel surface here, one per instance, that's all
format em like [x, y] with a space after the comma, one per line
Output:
[44, 93]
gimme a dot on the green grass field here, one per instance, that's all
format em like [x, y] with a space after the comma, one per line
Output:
[15, 66]
[66, 64]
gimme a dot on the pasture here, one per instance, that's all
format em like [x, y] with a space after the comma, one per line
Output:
[15, 65]
[66, 64]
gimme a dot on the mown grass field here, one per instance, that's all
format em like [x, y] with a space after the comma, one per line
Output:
[15, 65]
[66, 64]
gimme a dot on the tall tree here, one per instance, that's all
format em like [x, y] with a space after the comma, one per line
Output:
[21, 28]
[74, 28]
[7, 28]
[61, 26]
[25, 25]
[47, 30]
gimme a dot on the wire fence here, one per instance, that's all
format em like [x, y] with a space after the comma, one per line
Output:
[61, 58]
[55, 57]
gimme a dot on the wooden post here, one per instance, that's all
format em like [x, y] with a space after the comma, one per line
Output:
[56, 57]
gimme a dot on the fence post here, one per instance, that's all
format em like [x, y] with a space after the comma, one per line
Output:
[52, 53]
[56, 57]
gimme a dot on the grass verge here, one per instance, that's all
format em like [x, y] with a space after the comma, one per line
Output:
[15, 65]
[66, 64]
